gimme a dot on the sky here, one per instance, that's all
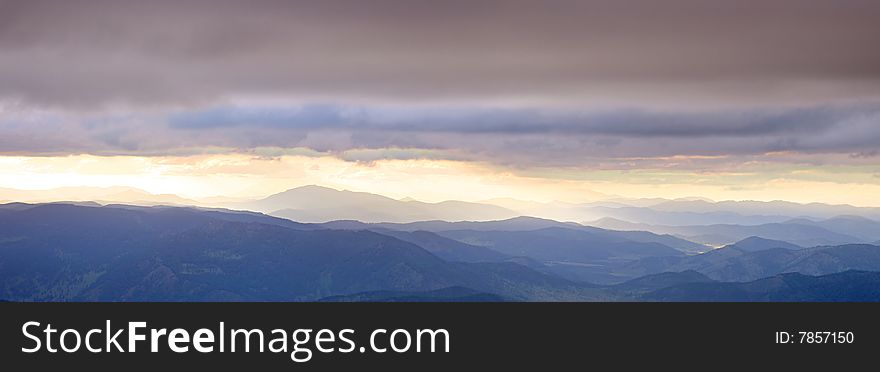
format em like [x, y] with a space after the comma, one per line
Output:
[469, 100]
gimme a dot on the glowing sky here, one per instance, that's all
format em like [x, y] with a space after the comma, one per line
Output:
[469, 100]
[246, 176]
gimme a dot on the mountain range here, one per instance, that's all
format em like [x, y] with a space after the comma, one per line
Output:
[101, 195]
[837, 230]
[319, 204]
[759, 258]
[90, 252]
[687, 286]
[521, 224]
[849, 286]
[61, 252]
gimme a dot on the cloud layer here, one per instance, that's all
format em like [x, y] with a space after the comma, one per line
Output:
[602, 83]
[84, 54]
[523, 137]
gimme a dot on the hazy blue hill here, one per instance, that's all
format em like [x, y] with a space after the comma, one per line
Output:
[754, 244]
[751, 265]
[451, 294]
[737, 264]
[517, 282]
[561, 244]
[447, 249]
[663, 280]
[579, 254]
[863, 228]
[767, 208]
[458, 232]
[805, 235]
[621, 225]
[850, 286]
[686, 211]
[253, 217]
[158, 217]
[847, 286]
[520, 224]
[66, 252]
[351, 225]
[730, 263]
[683, 245]
[650, 215]
[824, 260]
[69, 218]
[226, 215]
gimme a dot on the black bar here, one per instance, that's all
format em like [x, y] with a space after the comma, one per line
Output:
[508, 335]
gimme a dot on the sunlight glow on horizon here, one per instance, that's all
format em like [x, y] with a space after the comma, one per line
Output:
[249, 176]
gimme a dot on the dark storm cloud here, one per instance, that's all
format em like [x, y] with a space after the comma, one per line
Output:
[89, 53]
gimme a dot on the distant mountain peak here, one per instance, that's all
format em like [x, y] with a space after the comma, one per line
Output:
[316, 191]
[695, 199]
[312, 187]
[530, 219]
[315, 188]
[318, 204]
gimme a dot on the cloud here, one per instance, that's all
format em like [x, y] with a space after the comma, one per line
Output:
[305, 117]
[464, 119]
[521, 137]
[602, 84]
[87, 54]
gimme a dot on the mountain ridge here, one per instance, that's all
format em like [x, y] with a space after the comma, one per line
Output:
[317, 204]
[848, 286]
[65, 252]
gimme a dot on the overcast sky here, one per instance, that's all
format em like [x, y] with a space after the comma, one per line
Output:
[541, 88]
